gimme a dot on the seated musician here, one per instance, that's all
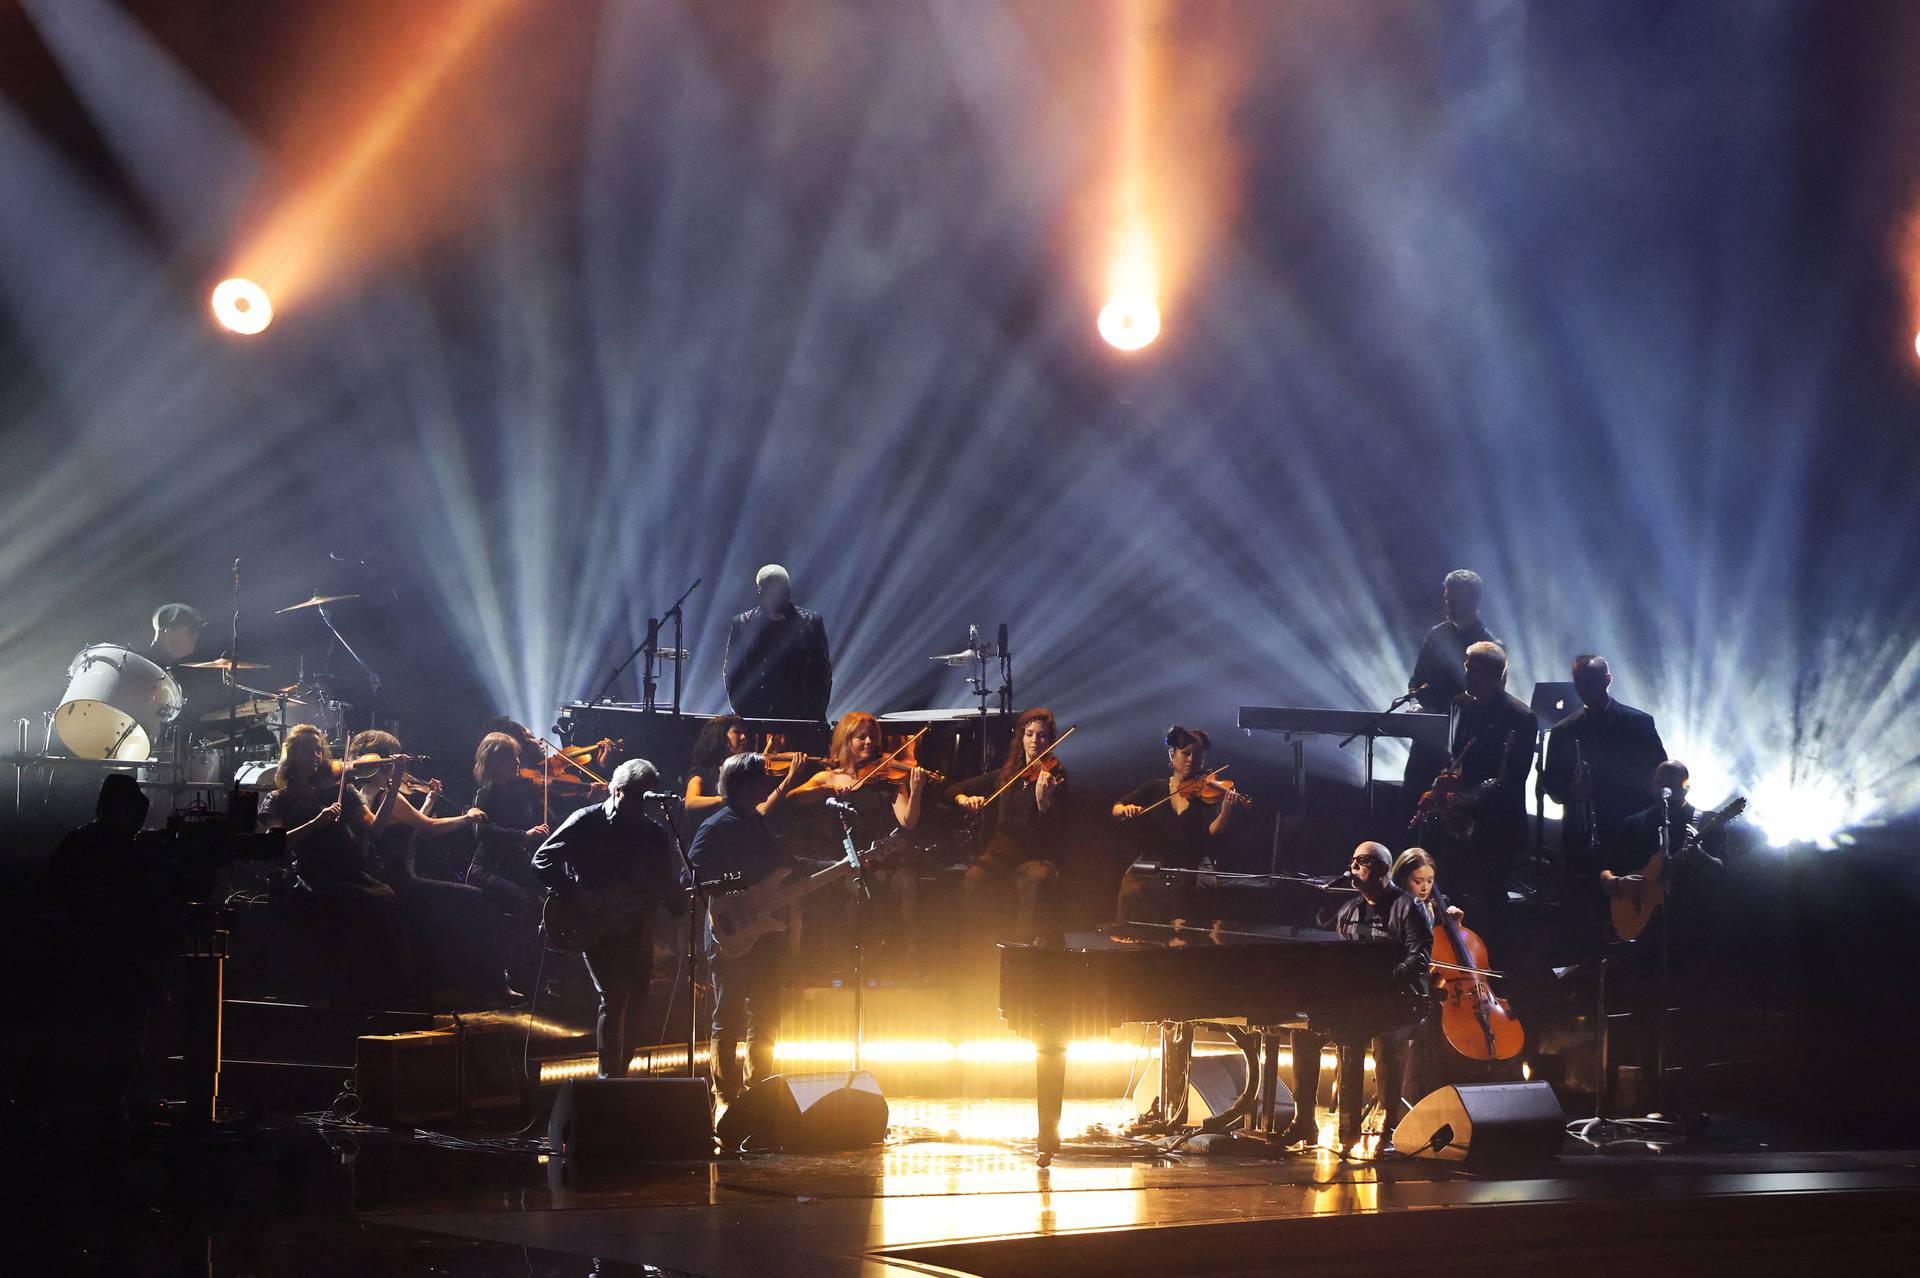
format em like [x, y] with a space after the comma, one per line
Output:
[1176, 822]
[735, 843]
[1416, 873]
[605, 846]
[326, 824]
[1378, 910]
[461, 957]
[884, 799]
[1024, 832]
[517, 823]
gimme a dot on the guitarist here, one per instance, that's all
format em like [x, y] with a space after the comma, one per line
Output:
[610, 845]
[1493, 736]
[1640, 833]
[736, 843]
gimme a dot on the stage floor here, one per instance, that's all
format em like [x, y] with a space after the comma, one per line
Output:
[935, 1201]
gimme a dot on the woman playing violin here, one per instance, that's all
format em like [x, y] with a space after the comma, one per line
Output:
[518, 820]
[1175, 818]
[1023, 832]
[723, 737]
[884, 796]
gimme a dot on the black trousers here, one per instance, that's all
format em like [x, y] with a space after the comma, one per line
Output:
[746, 1006]
[621, 967]
[1390, 1054]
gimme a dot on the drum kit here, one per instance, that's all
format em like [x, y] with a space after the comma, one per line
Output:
[119, 704]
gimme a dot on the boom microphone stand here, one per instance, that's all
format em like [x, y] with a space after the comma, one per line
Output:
[651, 646]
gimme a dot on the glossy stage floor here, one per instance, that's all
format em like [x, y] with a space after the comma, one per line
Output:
[942, 1197]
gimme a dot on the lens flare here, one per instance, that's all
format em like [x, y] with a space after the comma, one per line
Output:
[242, 306]
[1129, 323]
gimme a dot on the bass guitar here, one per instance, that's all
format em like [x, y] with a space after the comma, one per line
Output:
[1635, 897]
[740, 919]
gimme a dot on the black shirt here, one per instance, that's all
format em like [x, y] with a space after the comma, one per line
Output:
[1177, 839]
[1012, 827]
[331, 855]
[736, 842]
[779, 667]
[1442, 662]
[1621, 748]
[592, 849]
[1497, 737]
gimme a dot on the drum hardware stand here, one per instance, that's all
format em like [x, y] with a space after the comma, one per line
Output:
[651, 646]
[373, 680]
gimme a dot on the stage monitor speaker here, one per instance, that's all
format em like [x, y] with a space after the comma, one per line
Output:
[842, 1109]
[1213, 1085]
[611, 1122]
[1494, 1122]
[406, 1080]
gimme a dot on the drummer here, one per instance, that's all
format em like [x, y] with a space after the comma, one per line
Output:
[176, 634]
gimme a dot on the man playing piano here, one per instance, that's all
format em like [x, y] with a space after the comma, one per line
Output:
[1378, 911]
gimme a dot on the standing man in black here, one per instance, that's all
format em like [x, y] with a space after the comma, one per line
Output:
[1377, 911]
[1486, 816]
[607, 846]
[777, 664]
[1619, 749]
[1437, 670]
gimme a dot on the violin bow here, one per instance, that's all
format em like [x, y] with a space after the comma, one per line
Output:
[1015, 778]
[1184, 787]
[555, 752]
[889, 757]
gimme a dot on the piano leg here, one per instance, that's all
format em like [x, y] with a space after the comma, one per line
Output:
[1050, 1088]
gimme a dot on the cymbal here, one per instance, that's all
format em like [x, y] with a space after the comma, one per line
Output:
[221, 663]
[314, 602]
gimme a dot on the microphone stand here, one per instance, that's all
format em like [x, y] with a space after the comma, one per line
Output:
[1371, 732]
[860, 900]
[696, 926]
[651, 646]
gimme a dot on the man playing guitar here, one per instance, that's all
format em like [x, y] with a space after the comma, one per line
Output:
[616, 849]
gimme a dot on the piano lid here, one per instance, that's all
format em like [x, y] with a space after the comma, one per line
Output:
[1140, 936]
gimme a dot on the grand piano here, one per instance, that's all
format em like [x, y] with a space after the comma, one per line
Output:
[1249, 980]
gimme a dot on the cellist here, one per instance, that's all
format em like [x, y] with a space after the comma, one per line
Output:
[1415, 873]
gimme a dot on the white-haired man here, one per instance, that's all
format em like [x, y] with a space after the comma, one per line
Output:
[604, 846]
[777, 663]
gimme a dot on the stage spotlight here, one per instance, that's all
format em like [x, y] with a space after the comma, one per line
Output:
[1128, 323]
[242, 306]
[1800, 811]
[1916, 343]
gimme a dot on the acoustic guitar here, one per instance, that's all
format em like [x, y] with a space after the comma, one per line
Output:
[1637, 896]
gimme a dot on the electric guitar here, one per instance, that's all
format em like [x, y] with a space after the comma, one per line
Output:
[1637, 896]
[740, 919]
[575, 919]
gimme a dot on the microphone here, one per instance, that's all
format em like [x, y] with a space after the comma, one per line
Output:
[973, 638]
[339, 558]
[660, 796]
[842, 806]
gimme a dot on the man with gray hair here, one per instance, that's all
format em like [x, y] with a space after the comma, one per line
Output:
[1436, 677]
[607, 847]
[777, 664]
[1493, 734]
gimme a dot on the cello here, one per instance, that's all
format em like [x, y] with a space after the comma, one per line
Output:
[1476, 1021]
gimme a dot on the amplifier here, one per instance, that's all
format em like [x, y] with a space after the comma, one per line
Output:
[404, 1080]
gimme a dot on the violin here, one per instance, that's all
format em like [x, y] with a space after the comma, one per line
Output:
[1477, 1022]
[1052, 766]
[562, 785]
[1211, 790]
[778, 765]
[896, 772]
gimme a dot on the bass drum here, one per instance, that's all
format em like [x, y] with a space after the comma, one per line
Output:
[255, 774]
[116, 703]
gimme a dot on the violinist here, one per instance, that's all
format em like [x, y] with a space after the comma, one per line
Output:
[517, 822]
[1023, 832]
[886, 795]
[723, 737]
[464, 958]
[1378, 910]
[326, 822]
[1176, 819]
